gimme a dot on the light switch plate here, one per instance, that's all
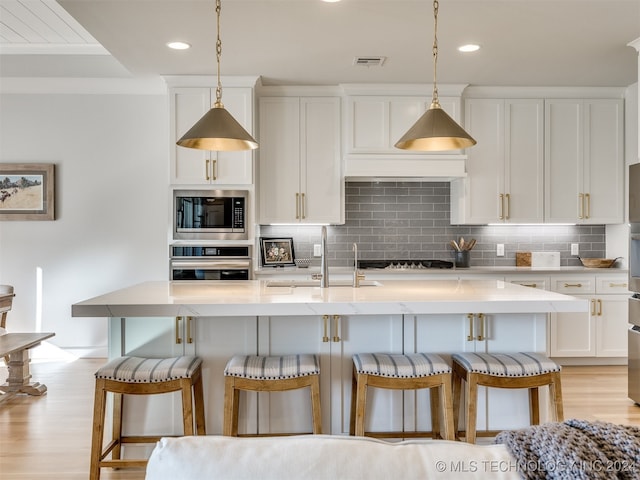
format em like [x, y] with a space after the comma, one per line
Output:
[575, 250]
[317, 250]
[500, 250]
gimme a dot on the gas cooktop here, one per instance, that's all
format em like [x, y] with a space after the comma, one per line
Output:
[403, 264]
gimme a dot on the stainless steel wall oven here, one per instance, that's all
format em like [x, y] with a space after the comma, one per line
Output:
[210, 215]
[634, 282]
[195, 263]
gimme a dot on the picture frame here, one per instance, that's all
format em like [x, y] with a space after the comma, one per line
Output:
[277, 252]
[27, 191]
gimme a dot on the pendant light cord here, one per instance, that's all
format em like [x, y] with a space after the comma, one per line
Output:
[434, 101]
[218, 103]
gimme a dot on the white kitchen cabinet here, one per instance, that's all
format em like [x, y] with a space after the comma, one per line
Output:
[336, 339]
[375, 122]
[203, 167]
[300, 166]
[602, 332]
[476, 332]
[504, 182]
[584, 165]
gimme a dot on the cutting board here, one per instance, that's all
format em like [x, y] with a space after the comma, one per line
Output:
[523, 259]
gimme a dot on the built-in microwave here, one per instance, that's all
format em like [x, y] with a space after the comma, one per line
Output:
[210, 214]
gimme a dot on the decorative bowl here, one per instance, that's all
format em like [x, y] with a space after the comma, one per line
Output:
[303, 262]
[598, 262]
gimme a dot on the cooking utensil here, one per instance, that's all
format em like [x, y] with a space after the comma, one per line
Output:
[598, 262]
[455, 245]
[471, 244]
[461, 243]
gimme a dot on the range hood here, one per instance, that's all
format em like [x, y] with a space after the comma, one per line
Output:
[422, 168]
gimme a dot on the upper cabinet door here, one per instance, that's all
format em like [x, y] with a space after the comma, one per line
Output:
[583, 161]
[204, 167]
[300, 162]
[504, 182]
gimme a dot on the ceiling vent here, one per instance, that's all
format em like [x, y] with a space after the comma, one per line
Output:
[369, 61]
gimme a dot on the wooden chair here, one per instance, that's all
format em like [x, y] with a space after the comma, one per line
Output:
[505, 370]
[402, 372]
[6, 302]
[142, 376]
[270, 374]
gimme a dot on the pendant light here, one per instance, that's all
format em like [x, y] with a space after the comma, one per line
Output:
[435, 130]
[217, 129]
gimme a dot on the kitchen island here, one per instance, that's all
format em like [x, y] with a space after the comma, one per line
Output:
[216, 320]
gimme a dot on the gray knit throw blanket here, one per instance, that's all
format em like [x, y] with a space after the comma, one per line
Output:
[575, 449]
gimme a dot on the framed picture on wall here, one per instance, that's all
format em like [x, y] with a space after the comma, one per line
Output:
[276, 252]
[26, 191]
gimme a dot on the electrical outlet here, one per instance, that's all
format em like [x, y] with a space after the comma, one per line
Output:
[575, 250]
[500, 250]
[317, 250]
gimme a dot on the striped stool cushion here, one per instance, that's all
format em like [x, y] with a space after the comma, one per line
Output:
[521, 364]
[148, 370]
[272, 368]
[400, 366]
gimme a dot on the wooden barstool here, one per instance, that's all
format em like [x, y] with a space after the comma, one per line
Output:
[270, 374]
[505, 370]
[402, 372]
[142, 376]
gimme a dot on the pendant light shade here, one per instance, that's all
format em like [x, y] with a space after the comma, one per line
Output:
[435, 130]
[217, 129]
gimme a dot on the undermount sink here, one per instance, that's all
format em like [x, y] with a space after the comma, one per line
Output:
[316, 283]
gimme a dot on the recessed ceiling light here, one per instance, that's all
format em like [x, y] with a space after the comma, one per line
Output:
[469, 48]
[331, 1]
[178, 45]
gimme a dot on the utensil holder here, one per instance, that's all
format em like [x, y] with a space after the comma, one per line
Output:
[462, 259]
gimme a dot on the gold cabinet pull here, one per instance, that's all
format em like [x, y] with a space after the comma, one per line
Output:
[599, 307]
[297, 205]
[336, 337]
[206, 169]
[508, 209]
[576, 285]
[587, 210]
[303, 207]
[481, 335]
[325, 320]
[593, 307]
[532, 285]
[616, 285]
[501, 199]
[470, 337]
[581, 205]
[189, 339]
[214, 170]
[178, 338]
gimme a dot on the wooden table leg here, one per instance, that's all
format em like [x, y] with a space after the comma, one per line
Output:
[19, 376]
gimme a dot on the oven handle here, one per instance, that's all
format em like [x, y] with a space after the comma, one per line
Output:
[212, 264]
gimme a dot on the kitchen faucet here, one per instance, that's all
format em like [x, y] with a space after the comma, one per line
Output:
[356, 275]
[324, 266]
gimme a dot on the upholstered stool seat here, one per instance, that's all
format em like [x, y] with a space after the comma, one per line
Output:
[402, 372]
[270, 374]
[142, 376]
[505, 370]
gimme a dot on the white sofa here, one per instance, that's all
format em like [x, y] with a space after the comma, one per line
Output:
[320, 457]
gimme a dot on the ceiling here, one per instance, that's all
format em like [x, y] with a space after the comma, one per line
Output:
[308, 42]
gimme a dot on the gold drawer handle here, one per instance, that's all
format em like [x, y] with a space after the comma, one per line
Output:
[501, 196]
[581, 205]
[325, 320]
[616, 285]
[470, 337]
[532, 285]
[178, 339]
[297, 205]
[507, 214]
[593, 307]
[481, 335]
[336, 319]
[575, 285]
[599, 307]
[189, 339]
[206, 170]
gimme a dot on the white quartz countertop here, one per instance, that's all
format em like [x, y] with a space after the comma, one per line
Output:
[255, 297]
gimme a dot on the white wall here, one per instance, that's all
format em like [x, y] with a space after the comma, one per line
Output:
[111, 157]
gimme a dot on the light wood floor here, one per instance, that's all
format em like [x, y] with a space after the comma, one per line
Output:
[49, 437]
